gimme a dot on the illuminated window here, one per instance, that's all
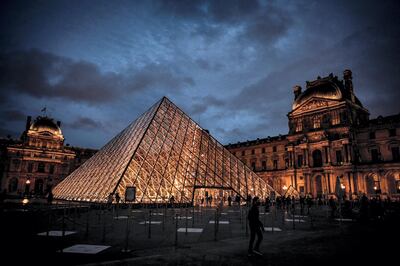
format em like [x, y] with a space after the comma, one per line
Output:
[335, 119]
[299, 126]
[317, 122]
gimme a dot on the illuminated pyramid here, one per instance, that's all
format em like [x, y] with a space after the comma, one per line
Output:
[163, 153]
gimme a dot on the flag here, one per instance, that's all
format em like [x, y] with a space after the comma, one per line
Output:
[43, 110]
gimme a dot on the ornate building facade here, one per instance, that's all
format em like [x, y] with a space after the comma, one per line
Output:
[332, 145]
[39, 160]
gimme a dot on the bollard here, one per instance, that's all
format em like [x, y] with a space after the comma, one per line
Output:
[293, 213]
[193, 216]
[273, 218]
[247, 229]
[165, 214]
[63, 224]
[126, 250]
[149, 236]
[48, 223]
[215, 226]
[186, 223]
[241, 218]
[104, 227]
[87, 224]
[176, 230]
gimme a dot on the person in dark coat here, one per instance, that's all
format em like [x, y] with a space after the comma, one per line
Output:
[255, 227]
[50, 197]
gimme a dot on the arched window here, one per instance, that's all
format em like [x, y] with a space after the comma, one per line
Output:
[317, 158]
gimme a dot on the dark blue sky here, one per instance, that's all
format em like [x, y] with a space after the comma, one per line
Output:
[231, 65]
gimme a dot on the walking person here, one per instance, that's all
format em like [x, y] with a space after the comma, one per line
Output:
[255, 228]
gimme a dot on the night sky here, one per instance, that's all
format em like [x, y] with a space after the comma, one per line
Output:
[230, 65]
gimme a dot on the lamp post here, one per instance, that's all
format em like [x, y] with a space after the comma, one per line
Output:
[27, 185]
[343, 187]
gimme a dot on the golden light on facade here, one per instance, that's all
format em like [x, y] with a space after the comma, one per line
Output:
[342, 186]
[163, 153]
[284, 187]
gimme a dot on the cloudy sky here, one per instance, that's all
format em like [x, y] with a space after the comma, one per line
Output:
[230, 65]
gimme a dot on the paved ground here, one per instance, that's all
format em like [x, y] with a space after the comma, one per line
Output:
[318, 240]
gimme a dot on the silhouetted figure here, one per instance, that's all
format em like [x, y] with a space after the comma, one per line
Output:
[302, 203]
[267, 204]
[237, 199]
[332, 205]
[117, 197]
[248, 200]
[172, 200]
[50, 197]
[364, 208]
[309, 203]
[255, 227]
[229, 201]
[109, 200]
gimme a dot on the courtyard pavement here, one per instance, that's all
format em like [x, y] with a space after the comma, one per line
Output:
[43, 235]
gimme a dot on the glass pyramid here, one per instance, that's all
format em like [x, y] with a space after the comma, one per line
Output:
[163, 153]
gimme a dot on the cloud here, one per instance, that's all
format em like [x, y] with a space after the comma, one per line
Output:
[85, 123]
[253, 20]
[44, 75]
[13, 115]
[201, 105]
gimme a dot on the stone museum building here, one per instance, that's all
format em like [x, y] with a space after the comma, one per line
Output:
[39, 160]
[332, 144]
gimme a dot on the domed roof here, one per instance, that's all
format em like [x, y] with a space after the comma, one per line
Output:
[45, 124]
[329, 88]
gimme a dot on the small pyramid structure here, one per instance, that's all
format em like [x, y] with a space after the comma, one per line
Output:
[163, 153]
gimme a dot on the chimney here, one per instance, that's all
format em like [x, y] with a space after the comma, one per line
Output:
[296, 91]
[348, 83]
[28, 122]
[59, 123]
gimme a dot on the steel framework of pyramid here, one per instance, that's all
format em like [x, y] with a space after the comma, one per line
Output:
[163, 153]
